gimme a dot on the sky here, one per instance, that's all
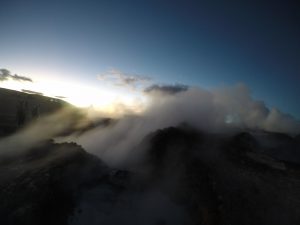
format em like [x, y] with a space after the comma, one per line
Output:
[196, 43]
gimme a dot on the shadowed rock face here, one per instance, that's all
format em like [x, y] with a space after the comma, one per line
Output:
[225, 180]
[18, 108]
[279, 146]
[62, 184]
[42, 186]
[298, 138]
[187, 177]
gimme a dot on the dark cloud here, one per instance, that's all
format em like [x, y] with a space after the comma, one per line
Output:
[61, 97]
[167, 89]
[21, 78]
[32, 92]
[120, 78]
[5, 75]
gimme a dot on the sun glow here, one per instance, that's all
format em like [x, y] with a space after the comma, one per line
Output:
[110, 101]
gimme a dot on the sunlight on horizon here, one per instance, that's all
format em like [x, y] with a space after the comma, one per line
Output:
[106, 100]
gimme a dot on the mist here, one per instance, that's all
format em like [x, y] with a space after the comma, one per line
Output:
[42, 129]
[122, 144]
[222, 110]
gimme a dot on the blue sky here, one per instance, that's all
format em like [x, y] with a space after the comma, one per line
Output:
[202, 43]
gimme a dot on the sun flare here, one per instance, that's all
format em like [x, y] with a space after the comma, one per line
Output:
[102, 99]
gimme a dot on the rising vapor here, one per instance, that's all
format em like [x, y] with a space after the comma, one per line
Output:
[226, 109]
[40, 130]
[221, 110]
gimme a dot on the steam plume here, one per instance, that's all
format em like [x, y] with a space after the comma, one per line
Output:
[218, 110]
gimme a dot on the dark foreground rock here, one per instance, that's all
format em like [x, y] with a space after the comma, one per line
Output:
[226, 180]
[43, 186]
[187, 177]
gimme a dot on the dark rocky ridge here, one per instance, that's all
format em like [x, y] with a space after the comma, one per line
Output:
[222, 180]
[18, 108]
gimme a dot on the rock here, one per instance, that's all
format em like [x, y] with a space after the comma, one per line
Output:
[46, 189]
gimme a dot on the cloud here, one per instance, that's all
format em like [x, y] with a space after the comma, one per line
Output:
[21, 78]
[5, 75]
[119, 78]
[166, 89]
[31, 92]
[61, 97]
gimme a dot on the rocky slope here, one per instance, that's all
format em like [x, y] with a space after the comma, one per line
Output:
[18, 108]
[186, 177]
[226, 180]
[41, 187]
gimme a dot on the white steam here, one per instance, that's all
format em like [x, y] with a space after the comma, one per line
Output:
[44, 128]
[214, 111]
[218, 110]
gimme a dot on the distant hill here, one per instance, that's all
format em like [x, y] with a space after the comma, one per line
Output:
[18, 108]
